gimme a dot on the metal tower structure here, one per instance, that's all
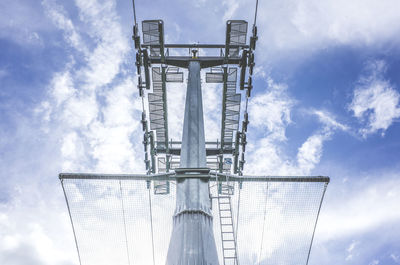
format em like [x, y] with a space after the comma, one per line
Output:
[192, 163]
[192, 240]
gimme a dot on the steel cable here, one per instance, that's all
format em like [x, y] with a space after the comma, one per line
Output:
[263, 229]
[151, 225]
[316, 221]
[255, 13]
[124, 219]
[134, 10]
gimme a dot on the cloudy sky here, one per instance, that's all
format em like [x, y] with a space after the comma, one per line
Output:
[326, 102]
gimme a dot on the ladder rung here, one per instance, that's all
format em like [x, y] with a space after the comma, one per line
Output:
[227, 249]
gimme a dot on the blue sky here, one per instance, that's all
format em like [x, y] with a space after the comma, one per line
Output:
[326, 102]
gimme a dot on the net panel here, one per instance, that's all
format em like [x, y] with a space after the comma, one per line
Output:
[276, 221]
[112, 222]
[101, 212]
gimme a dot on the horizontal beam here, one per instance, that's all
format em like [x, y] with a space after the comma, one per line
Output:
[98, 176]
[209, 151]
[202, 46]
[205, 61]
[227, 177]
[179, 142]
[212, 177]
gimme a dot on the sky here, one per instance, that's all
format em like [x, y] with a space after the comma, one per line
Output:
[326, 101]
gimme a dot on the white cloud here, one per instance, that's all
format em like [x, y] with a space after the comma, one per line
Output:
[312, 25]
[88, 120]
[33, 229]
[59, 17]
[93, 107]
[231, 7]
[358, 219]
[22, 22]
[63, 87]
[375, 101]
[395, 258]
[3, 73]
[270, 111]
[329, 120]
[296, 28]
[112, 45]
[309, 154]
[374, 262]
[356, 208]
[350, 249]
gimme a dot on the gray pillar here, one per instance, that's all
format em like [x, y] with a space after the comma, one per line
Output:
[192, 240]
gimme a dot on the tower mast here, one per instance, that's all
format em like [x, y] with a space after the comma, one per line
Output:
[192, 239]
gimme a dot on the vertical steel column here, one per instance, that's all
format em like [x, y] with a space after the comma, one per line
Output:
[192, 240]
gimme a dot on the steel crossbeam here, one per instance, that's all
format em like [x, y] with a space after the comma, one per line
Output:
[212, 176]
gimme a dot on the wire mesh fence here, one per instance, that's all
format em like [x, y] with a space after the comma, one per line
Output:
[124, 222]
[273, 221]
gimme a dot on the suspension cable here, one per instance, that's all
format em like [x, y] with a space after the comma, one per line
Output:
[262, 234]
[255, 13]
[237, 218]
[72, 223]
[123, 215]
[247, 103]
[316, 220]
[134, 10]
[151, 225]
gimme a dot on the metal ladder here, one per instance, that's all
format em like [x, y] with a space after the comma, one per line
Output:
[229, 248]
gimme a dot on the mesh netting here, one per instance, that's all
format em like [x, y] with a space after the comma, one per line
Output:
[112, 221]
[103, 210]
[276, 221]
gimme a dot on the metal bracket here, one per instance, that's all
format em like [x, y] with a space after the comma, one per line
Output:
[203, 173]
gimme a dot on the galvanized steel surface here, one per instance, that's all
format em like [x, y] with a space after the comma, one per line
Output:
[192, 240]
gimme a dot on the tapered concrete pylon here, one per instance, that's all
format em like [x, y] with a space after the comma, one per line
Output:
[192, 240]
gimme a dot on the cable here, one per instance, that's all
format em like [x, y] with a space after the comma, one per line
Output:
[262, 234]
[237, 217]
[123, 215]
[316, 220]
[255, 13]
[151, 225]
[72, 223]
[134, 10]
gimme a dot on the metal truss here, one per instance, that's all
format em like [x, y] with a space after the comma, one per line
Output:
[160, 68]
